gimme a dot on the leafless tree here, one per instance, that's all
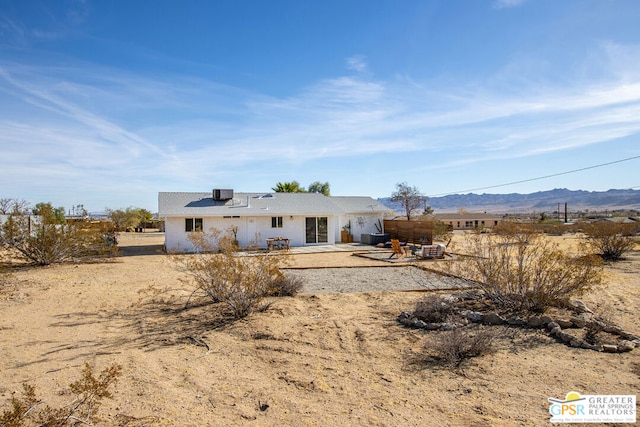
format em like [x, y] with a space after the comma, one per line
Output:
[410, 198]
[8, 206]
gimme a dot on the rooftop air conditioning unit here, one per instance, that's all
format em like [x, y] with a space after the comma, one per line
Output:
[219, 195]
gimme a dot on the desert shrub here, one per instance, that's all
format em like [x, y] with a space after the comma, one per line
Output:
[288, 286]
[89, 392]
[46, 240]
[457, 345]
[609, 240]
[441, 232]
[240, 280]
[552, 228]
[5, 275]
[433, 309]
[592, 332]
[520, 269]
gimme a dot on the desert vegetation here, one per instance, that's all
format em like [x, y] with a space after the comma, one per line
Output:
[610, 240]
[48, 238]
[242, 281]
[521, 278]
[129, 218]
[518, 268]
[410, 199]
[89, 391]
[455, 346]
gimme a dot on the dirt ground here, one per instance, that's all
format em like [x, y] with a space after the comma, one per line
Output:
[317, 359]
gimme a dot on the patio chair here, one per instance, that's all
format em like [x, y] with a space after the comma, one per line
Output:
[398, 250]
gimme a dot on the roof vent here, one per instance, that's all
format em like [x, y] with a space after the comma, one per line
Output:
[222, 195]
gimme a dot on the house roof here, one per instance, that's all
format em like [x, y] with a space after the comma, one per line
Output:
[263, 204]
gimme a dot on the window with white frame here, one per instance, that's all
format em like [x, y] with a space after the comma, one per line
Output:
[276, 222]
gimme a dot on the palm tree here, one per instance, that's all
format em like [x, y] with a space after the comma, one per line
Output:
[289, 187]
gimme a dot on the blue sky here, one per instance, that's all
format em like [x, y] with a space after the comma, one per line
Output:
[106, 103]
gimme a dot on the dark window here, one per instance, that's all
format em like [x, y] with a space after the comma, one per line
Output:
[193, 224]
[276, 222]
[317, 230]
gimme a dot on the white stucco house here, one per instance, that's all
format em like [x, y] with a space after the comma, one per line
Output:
[303, 218]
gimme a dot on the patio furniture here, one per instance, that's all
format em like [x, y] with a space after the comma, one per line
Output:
[398, 250]
[278, 243]
[431, 251]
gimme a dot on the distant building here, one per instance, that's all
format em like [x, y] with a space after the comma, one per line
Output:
[469, 221]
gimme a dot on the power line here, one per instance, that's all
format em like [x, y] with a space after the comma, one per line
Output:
[538, 178]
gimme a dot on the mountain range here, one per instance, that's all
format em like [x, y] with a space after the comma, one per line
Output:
[542, 201]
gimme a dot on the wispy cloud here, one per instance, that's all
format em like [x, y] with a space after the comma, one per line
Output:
[12, 32]
[502, 4]
[179, 131]
[357, 63]
[56, 99]
[56, 23]
[77, 11]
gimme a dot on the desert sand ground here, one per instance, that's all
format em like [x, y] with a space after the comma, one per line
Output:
[317, 359]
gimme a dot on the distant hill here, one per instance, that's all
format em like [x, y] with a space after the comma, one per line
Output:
[542, 201]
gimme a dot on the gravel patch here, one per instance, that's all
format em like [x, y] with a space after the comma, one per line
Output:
[368, 279]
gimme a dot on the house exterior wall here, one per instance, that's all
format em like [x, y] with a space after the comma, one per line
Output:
[252, 214]
[360, 224]
[251, 229]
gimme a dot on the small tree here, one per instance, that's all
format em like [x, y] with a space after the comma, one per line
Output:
[225, 275]
[320, 187]
[130, 217]
[519, 268]
[410, 198]
[53, 215]
[610, 240]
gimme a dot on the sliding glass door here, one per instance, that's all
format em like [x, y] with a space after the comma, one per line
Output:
[317, 230]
